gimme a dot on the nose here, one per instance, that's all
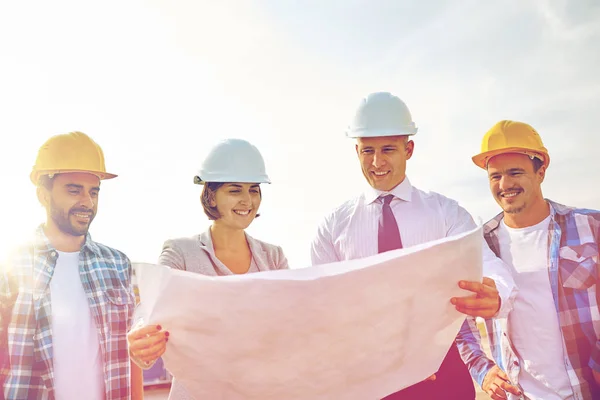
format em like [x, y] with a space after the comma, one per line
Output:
[378, 160]
[505, 183]
[245, 199]
[87, 201]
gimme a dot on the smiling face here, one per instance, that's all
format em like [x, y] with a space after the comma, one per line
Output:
[516, 184]
[71, 202]
[383, 160]
[237, 204]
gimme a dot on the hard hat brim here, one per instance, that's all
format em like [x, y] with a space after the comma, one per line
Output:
[35, 175]
[230, 179]
[482, 159]
[358, 133]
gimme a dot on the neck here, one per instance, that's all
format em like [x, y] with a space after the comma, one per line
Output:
[62, 241]
[224, 237]
[534, 215]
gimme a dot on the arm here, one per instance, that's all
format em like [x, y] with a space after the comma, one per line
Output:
[7, 298]
[484, 371]
[459, 221]
[322, 248]
[171, 256]
[282, 262]
[594, 362]
[137, 382]
[468, 342]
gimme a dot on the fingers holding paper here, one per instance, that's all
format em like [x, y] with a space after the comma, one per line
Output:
[147, 344]
[484, 302]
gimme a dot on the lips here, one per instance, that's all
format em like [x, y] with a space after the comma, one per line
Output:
[85, 216]
[510, 194]
[380, 174]
[243, 213]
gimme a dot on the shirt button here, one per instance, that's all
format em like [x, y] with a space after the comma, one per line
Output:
[49, 269]
[53, 254]
[516, 363]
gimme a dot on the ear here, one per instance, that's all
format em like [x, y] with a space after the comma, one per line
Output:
[541, 173]
[409, 148]
[43, 196]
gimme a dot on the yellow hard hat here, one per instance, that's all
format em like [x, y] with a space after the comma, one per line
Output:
[69, 152]
[511, 137]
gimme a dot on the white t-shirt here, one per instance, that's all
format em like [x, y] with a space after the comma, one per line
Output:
[78, 365]
[533, 326]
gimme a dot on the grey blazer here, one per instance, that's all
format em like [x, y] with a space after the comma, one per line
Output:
[197, 254]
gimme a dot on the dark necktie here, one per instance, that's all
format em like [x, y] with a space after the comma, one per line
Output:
[388, 235]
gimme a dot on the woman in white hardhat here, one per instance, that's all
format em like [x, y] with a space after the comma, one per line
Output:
[231, 176]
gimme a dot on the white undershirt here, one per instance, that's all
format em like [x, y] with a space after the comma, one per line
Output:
[78, 366]
[533, 323]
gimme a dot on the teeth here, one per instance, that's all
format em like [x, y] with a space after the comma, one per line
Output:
[242, 212]
[78, 215]
[379, 173]
[512, 194]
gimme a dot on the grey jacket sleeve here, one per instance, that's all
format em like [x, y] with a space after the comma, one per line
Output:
[172, 256]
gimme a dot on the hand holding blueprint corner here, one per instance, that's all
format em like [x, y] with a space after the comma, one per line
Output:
[358, 329]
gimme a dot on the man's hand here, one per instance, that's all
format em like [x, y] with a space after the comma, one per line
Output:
[484, 303]
[496, 384]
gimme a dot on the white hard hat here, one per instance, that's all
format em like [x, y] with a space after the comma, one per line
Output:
[381, 114]
[233, 160]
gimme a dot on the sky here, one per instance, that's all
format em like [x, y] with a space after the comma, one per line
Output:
[156, 83]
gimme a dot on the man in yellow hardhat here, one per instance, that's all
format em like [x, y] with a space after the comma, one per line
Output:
[548, 347]
[67, 301]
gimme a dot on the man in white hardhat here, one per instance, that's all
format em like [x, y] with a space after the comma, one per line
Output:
[393, 214]
[549, 346]
[66, 301]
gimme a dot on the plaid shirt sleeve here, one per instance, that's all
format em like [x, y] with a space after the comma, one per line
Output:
[468, 342]
[7, 298]
[594, 362]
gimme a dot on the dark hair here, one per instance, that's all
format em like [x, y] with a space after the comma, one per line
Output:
[46, 181]
[537, 164]
[208, 194]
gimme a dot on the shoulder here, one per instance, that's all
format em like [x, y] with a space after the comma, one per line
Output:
[182, 243]
[344, 211]
[184, 252]
[432, 197]
[567, 211]
[274, 258]
[265, 246]
[109, 255]
[577, 218]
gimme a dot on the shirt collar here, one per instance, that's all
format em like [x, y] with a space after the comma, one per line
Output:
[403, 192]
[42, 243]
[493, 224]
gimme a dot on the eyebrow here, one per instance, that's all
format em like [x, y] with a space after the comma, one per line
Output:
[381, 147]
[509, 170]
[76, 186]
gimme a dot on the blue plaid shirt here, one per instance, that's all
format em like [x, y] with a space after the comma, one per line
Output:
[573, 240]
[25, 316]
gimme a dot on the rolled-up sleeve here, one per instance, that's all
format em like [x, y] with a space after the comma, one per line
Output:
[468, 342]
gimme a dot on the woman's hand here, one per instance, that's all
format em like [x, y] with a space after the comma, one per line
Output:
[147, 344]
